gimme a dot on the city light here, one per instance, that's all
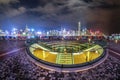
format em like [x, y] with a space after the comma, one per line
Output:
[39, 32]
[116, 41]
[6, 32]
[24, 33]
[21, 30]
[14, 29]
[32, 33]
[32, 30]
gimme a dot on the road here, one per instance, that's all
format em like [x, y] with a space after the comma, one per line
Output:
[4, 54]
[114, 53]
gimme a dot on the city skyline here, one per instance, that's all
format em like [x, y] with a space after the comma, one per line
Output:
[52, 14]
[27, 31]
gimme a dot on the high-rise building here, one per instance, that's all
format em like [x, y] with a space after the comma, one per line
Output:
[26, 29]
[0, 30]
[79, 28]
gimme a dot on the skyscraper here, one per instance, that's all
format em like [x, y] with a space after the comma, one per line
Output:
[26, 29]
[79, 28]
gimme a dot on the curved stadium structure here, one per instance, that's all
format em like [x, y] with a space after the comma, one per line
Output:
[66, 56]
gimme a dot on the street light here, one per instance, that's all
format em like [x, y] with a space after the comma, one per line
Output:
[116, 41]
[62, 38]
[89, 40]
[77, 39]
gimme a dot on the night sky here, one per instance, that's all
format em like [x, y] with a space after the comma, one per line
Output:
[54, 14]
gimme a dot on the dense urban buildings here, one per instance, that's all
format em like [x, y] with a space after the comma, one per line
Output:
[61, 32]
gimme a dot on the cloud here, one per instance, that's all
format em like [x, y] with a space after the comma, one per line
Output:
[60, 11]
[73, 2]
[8, 8]
[8, 1]
[105, 4]
[14, 12]
[49, 8]
[62, 7]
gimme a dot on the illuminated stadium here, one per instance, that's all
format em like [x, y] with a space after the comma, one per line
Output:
[66, 56]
